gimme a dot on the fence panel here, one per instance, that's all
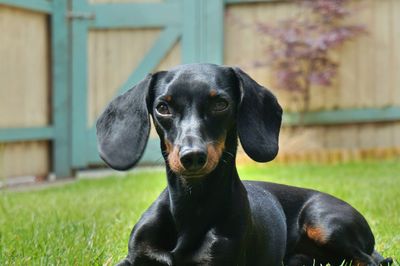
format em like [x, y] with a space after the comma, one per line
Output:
[365, 98]
[25, 90]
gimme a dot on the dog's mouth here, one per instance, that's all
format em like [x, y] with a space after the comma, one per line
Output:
[190, 176]
[198, 174]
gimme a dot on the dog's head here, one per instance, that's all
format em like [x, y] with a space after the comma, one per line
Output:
[194, 108]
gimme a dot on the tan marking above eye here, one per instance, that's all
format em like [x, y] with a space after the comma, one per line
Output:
[168, 98]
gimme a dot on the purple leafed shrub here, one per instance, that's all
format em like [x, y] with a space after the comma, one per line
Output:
[299, 53]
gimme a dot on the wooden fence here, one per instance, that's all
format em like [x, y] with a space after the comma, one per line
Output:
[359, 117]
[356, 117]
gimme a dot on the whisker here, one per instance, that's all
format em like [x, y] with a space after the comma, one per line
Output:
[228, 153]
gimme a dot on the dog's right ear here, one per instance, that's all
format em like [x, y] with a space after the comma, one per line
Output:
[124, 126]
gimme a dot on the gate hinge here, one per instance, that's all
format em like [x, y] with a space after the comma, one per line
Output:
[80, 15]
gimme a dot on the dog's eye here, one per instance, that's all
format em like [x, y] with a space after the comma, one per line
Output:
[220, 105]
[163, 109]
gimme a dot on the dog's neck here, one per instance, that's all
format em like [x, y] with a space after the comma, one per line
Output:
[201, 200]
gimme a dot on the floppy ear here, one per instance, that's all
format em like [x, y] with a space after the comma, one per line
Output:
[123, 127]
[259, 119]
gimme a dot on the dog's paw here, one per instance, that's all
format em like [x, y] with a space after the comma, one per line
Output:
[124, 262]
[386, 262]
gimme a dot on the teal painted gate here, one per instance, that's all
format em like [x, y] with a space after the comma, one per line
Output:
[197, 24]
[178, 20]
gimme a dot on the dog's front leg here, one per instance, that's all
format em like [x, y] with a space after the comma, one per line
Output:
[153, 237]
[146, 255]
[215, 249]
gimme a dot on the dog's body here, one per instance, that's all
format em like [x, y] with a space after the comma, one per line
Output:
[206, 215]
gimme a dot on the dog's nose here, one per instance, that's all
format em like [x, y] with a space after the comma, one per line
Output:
[193, 159]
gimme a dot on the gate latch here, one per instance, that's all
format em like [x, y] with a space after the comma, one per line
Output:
[80, 15]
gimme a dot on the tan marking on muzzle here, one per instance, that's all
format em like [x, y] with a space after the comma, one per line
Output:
[174, 161]
[214, 153]
[168, 146]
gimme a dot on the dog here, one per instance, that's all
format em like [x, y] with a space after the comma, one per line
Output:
[207, 215]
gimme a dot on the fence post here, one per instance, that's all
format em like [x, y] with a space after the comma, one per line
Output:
[61, 106]
[203, 31]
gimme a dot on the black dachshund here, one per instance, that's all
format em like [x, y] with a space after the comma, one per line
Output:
[207, 215]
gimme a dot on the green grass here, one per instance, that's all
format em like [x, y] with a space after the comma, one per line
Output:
[88, 222]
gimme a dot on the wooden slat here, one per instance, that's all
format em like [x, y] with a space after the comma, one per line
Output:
[114, 54]
[383, 53]
[24, 93]
[25, 134]
[124, 1]
[348, 73]
[31, 5]
[343, 116]
[24, 158]
[395, 35]
[24, 75]
[125, 15]
[366, 59]
[172, 59]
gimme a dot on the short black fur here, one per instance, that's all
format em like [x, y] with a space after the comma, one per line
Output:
[207, 215]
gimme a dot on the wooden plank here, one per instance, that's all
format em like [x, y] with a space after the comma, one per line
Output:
[367, 136]
[202, 37]
[25, 93]
[384, 137]
[190, 32]
[251, 1]
[396, 134]
[161, 47]
[395, 22]
[126, 15]
[124, 1]
[213, 19]
[344, 116]
[366, 58]
[348, 75]
[395, 69]
[61, 107]
[43, 6]
[79, 95]
[348, 137]
[239, 37]
[383, 69]
[383, 53]
[24, 77]
[24, 159]
[172, 58]
[25, 134]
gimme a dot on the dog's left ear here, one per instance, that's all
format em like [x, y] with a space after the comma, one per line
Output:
[259, 119]
[123, 128]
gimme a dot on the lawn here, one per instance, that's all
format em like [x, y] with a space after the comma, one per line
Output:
[88, 222]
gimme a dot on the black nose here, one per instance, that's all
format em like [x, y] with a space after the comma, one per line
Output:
[193, 159]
